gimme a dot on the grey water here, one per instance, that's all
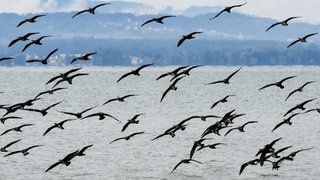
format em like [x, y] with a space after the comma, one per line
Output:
[141, 158]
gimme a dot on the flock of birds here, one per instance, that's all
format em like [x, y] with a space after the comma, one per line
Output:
[266, 154]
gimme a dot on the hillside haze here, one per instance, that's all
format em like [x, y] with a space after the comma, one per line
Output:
[116, 34]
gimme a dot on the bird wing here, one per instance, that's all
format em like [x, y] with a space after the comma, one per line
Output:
[58, 82]
[165, 93]
[293, 43]
[13, 152]
[33, 60]
[110, 100]
[49, 129]
[27, 45]
[117, 139]
[22, 22]
[273, 25]
[294, 91]
[13, 42]
[244, 165]
[29, 34]
[229, 77]
[86, 110]
[290, 110]
[125, 126]
[175, 167]
[163, 75]
[71, 71]
[13, 142]
[216, 82]
[52, 52]
[181, 41]
[102, 4]
[305, 37]
[69, 113]
[53, 165]
[214, 104]
[149, 21]
[268, 85]
[249, 122]
[163, 17]
[129, 95]
[6, 131]
[53, 105]
[36, 16]
[133, 134]
[230, 131]
[53, 79]
[123, 76]
[218, 14]
[286, 79]
[84, 148]
[143, 66]
[278, 125]
[290, 18]
[32, 147]
[80, 12]
[193, 149]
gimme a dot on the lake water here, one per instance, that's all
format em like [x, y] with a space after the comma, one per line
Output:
[141, 158]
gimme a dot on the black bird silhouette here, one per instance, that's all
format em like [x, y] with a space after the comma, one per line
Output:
[203, 118]
[211, 146]
[303, 39]
[120, 99]
[158, 20]
[276, 164]
[285, 121]
[283, 23]
[196, 144]
[18, 106]
[172, 73]
[251, 162]
[188, 36]
[36, 41]
[30, 20]
[127, 137]
[3, 119]
[240, 128]
[22, 38]
[300, 89]
[83, 58]
[299, 106]
[294, 153]
[227, 80]
[101, 116]
[172, 130]
[18, 128]
[171, 87]
[278, 84]
[63, 75]
[69, 78]
[185, 161]
[314, 109]
[268, 148]
[43, 111]
[133, 120]
[90, 10]
[134, 72]
[81, 152]
[275, 154]
[45, 60]
[66, 160]
[227, 9]
[57, 125]
[215, 128]
[185, 72]
[77, 114]
[23, 151]
[223, 100]
[50, 91]
[6, 58]
[4, 148]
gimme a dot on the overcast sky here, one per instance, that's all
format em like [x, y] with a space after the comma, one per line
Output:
[276, 9]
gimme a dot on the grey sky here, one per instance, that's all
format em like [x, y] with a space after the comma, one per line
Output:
[276, 9]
